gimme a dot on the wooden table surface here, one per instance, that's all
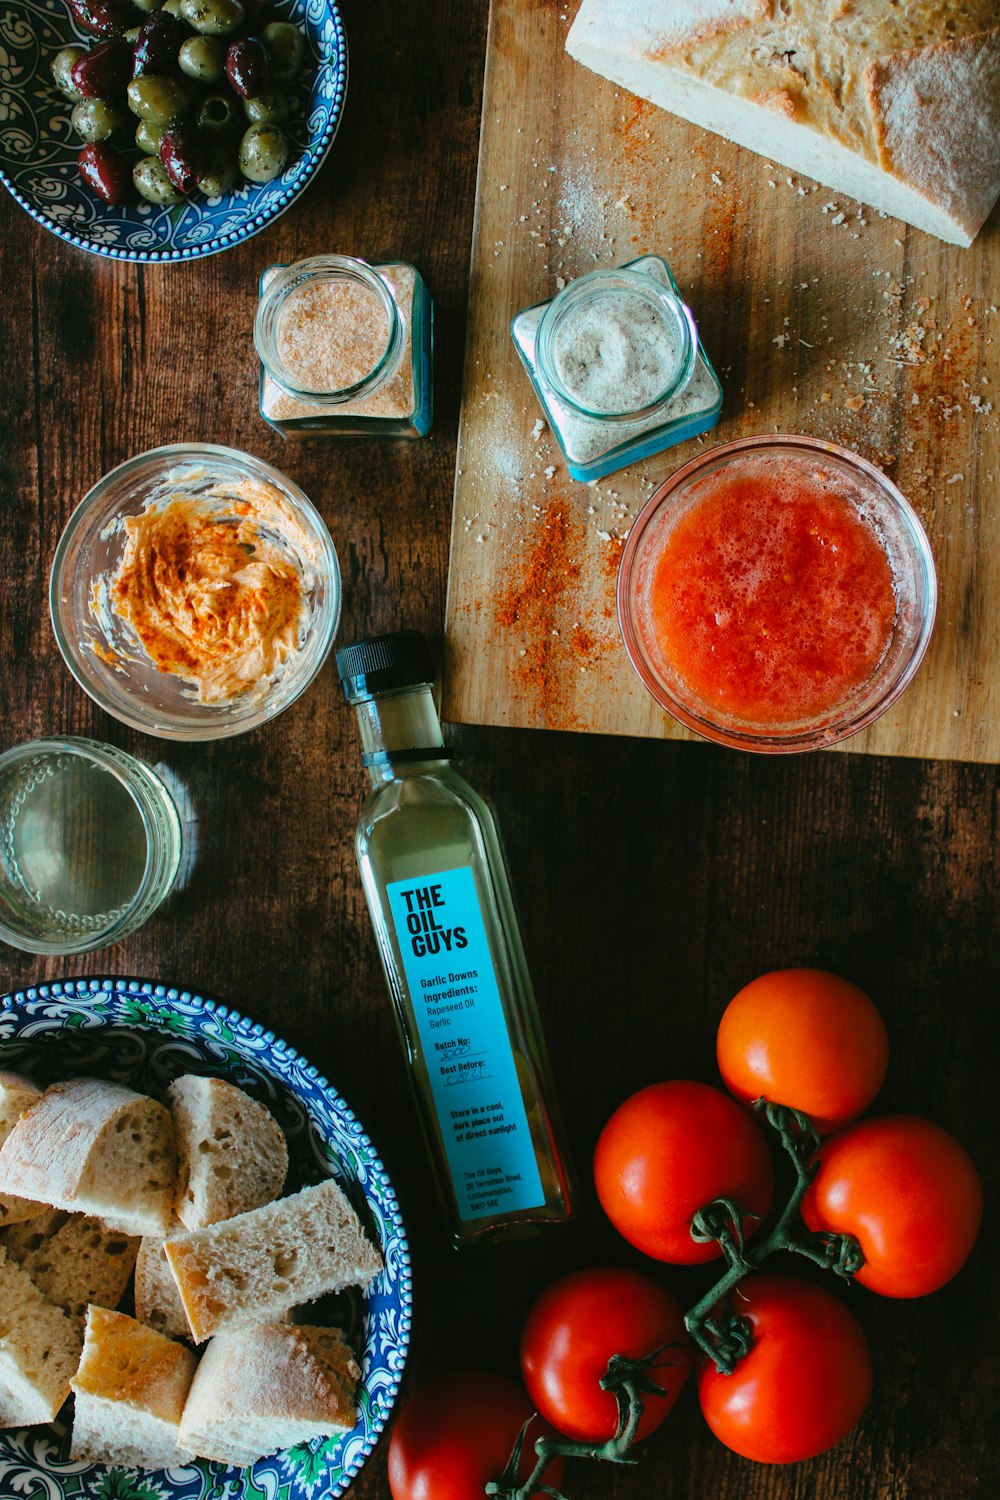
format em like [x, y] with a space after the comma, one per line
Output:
[654, 879]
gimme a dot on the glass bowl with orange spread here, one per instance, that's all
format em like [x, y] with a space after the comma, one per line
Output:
[195, 592]
[777, 594]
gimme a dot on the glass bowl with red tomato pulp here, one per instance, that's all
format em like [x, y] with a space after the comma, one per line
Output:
[777, 594]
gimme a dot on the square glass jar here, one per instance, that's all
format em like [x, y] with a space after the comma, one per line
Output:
[596, 443]
[345, 349]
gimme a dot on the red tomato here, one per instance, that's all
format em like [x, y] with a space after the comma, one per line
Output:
[807, 1039]
[668, 1151]
[572, 1331]
[908, 1193]
[458, 1432]
[804, 1382]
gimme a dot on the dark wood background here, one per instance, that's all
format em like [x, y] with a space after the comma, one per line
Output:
[653, 879]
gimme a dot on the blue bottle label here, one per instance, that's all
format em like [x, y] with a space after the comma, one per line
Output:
[466, 1046]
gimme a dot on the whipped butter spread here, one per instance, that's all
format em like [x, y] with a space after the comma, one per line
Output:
[216, 583]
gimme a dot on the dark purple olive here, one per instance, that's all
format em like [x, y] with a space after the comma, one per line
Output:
[104, 172]
[248, 66]
[159, 42]
[104, 70]
[182, 152]
[103, 17]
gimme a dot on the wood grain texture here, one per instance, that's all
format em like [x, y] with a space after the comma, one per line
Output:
[821, 317]
[653, 879]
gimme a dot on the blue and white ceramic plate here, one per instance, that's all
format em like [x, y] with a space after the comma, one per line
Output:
[38, 148]
[145, 1035]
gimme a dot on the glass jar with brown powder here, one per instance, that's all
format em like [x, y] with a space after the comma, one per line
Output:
[345, 348]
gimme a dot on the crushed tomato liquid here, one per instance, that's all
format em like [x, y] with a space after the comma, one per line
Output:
[771, 600]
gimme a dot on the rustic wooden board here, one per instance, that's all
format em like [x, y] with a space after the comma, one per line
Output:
[821, 317]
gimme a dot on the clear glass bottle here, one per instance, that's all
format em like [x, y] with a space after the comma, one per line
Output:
[598, 439]
[440, 902]
[345, 349]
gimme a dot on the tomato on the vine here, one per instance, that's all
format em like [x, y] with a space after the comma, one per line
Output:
[458, 1432]
[807, 1039]
[908, 1193]
[571, 1333]
[667, 1152]
[804, 1382]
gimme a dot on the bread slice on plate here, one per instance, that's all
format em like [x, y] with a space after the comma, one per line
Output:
[95, 1148]
[231, 1151]
[252, 1268]
[39, 1350]
[130, 1393]
[268, 1388]
[157, 1301]
[73, 1260]
[17, 1096]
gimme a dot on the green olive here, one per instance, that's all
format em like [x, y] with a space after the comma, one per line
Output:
[264, 153]
[203, 58]
[152, 182]
[157, 100]
[148, 137]
[62, 71]
[287, 48]
[98, 119]
[222, 170]
[213, 17]
[148, 5]
[269, 107]
[173, 8]
[132, 36]
[218, 117]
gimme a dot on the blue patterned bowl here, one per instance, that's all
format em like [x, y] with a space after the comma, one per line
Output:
[38, 148]
[145, 1035]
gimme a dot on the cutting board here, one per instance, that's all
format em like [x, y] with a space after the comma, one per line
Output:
[821, 317]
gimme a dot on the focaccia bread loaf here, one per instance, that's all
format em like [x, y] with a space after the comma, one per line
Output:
[897, 104]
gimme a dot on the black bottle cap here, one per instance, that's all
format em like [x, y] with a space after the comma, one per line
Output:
[381, 663]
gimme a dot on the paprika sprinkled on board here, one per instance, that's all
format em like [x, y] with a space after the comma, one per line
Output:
[547, 608]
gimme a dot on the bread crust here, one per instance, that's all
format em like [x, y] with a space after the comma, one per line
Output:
[896, 105]
[269, 1387]
[936, 114]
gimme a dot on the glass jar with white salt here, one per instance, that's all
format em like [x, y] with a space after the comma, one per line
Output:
[617, 365]
[345, 348]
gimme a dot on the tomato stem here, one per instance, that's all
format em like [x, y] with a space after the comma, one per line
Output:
[725, 1338]
[628, 1380]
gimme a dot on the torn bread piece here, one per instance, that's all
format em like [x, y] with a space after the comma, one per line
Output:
[130, 1391]
[73, 1260]
[39, 1350]
[17, 1096]
[157, 1301]
[268, 1388]
[96, 1148]
[252, 1268]
[231, 1151]
[897, 105]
